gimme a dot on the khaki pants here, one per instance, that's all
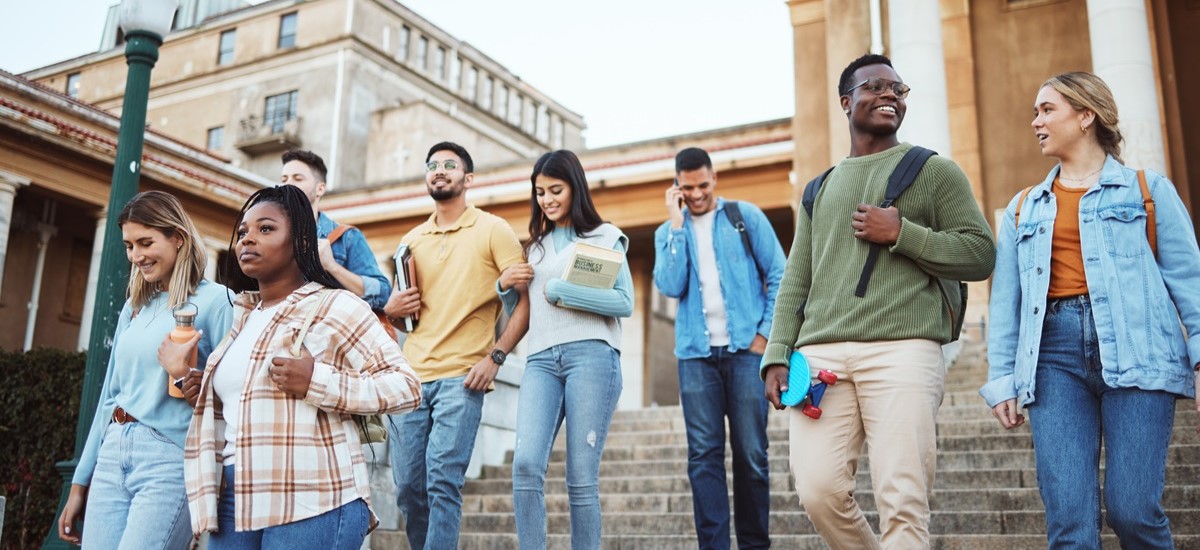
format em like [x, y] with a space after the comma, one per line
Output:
[887, 395]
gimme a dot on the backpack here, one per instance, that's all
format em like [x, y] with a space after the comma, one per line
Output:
[735, 217]
[954, 293]
[370, 427]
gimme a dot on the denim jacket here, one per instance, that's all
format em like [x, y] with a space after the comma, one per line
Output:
[748, 306]
[352, 252]
[1142, 306]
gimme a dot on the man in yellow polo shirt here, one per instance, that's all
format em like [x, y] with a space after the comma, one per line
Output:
[459, 253]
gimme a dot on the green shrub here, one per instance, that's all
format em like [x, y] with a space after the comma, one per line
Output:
[39, 405]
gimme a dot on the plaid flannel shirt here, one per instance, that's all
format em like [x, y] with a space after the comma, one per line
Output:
[297, 458]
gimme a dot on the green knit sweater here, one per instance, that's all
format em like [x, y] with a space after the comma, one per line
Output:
[942, 234]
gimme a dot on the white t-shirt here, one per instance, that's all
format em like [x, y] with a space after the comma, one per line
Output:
[710, 280]
[230, 376]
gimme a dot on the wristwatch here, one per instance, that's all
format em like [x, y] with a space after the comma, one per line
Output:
[498, 356]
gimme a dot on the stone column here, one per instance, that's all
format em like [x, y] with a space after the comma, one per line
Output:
[93, 281]
[915, 28]
[9, 183]
[847, 37]
[1122, 56]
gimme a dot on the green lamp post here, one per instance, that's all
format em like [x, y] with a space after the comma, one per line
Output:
[145, 23]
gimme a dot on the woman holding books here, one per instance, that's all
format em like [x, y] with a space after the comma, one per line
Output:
[1094, 288]
[273, 457]
[573, 371]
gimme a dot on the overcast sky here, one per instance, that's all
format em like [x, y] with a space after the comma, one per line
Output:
[635, 69]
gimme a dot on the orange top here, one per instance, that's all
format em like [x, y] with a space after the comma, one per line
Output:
[1067, 277]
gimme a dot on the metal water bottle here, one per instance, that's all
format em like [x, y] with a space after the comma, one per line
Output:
[185, 328]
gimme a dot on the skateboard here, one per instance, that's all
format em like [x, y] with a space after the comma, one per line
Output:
[802, 390]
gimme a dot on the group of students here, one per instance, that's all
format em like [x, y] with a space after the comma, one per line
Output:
[1089, 308]
[1094, 312]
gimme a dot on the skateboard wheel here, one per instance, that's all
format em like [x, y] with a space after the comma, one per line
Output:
[827, 377]
[811, 412]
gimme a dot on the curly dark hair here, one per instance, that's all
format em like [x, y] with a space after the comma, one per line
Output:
[847, 79]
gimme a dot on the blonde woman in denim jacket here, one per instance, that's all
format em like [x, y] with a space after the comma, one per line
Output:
[1086, 323]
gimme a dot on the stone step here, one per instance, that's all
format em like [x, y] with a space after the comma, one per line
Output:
[678, 482]
[1177, 455]
[1175, 497]
[1019, 522]
[394, 540]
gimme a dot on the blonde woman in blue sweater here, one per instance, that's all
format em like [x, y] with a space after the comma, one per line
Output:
[573, 372]
[130, 474]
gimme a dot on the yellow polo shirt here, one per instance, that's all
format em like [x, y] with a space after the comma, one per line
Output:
[457, 270]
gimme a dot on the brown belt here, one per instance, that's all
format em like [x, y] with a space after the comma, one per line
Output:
[122, 417]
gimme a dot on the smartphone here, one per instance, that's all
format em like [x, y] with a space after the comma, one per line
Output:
[680, 196]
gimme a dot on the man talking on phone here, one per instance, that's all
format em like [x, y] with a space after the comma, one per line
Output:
[723, 262]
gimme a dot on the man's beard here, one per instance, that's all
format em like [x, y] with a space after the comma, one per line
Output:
[445, 193]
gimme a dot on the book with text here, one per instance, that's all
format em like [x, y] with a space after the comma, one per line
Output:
[406, 277]
[594, 267]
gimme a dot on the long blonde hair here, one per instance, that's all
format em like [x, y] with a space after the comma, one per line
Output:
[163, 212]
[1087, 92]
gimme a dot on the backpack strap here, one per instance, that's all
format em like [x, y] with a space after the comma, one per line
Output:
[1020, 203]
[811, 189]
[338, 232]
[735, 217]
[308, 320]
[901, 179]
[1151, 222]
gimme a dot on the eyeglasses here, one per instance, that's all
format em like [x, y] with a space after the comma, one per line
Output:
[449, 165]
[878, 85]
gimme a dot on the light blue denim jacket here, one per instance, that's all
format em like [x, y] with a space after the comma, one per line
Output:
[1138, 302]
[352, 252]
[748, 306]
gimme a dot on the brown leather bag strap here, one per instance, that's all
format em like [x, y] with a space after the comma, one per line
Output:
[338, 231]
[1151, 222]
[1020, 202]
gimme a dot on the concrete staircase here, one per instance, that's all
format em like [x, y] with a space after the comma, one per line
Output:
[985, 496]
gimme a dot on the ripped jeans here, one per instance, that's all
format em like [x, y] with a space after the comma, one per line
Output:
[578, 382]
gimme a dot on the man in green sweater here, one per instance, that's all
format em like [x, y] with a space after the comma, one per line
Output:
[886, 345]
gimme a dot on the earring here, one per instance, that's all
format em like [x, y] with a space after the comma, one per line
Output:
[1083, 127]
[847, 111]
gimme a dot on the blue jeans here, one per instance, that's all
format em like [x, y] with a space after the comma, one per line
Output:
[137, 499]
[711, 388]
[579, 382]
[343, 528]
[1073, 411]
[430, 449]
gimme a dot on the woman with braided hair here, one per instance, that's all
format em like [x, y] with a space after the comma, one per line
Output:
[273, 457]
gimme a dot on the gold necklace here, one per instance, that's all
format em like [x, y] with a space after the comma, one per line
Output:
[1078, 180]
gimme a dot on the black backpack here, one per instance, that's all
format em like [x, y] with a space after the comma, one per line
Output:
[954, 293]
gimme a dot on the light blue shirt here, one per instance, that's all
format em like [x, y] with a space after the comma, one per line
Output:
[352, 252]
[749, 299]
[137, 383]
[1138, 302]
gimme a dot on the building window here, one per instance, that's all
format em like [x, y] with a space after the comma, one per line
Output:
[485, 95]
[514, 109]
[280, 109]
[471, 83]
[216, 136]
[502, 102]
[528, 118]
[405, 37]
[225, 50]
[455, 79]
[73, 85]
[543, 124]
[287, 30]
[423, 53]
[439, 62]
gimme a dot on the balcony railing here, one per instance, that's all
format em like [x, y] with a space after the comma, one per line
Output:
[259, 136]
